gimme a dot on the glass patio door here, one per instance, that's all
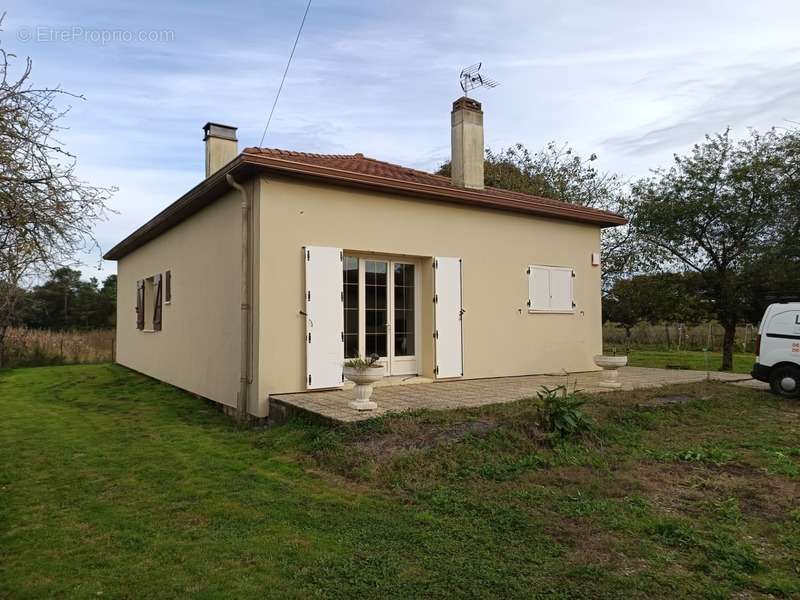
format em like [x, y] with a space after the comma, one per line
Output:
[380, 305]
[404, 322]
[376, 308]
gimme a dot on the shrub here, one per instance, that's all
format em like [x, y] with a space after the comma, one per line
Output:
[560, 414]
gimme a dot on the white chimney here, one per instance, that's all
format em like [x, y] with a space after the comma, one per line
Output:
[466, 139]
[221, 146]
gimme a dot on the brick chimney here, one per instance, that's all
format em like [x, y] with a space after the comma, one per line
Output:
[221, 146]
[466, 140]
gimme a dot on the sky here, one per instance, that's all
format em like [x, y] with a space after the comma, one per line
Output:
[634, 82]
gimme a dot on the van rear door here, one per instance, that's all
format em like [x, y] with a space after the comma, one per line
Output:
[780, 341]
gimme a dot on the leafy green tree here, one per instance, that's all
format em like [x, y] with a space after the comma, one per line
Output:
[65, 301]
[658, 298]
[718, 211]
[556, 171]
[107, 303]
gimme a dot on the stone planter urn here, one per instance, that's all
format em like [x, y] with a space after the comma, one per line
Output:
[364, 378]
[610, 364]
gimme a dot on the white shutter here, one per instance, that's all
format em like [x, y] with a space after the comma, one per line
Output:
[550, 289]
[448, 314]
[561, 289]
[538, 288]
[324, 317]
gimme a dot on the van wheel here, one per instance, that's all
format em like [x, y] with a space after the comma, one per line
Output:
[785, 381]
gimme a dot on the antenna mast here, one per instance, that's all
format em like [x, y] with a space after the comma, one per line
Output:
[471, 79]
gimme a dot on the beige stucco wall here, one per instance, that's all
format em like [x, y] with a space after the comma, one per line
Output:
[198, 347]
[500, 337]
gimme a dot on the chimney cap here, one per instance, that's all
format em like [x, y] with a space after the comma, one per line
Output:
[218, 130]
[467, 103]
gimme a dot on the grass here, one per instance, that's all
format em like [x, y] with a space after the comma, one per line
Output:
[695, 360]
[116, 485]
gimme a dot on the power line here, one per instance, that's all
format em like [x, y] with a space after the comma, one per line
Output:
[285, 71]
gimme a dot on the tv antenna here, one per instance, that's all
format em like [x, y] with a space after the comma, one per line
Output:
[471, 79]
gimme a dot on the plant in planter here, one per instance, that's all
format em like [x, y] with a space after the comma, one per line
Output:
[364, 372]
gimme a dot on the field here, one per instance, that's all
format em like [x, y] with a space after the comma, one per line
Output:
[677, 336]
[36, 347]
[114, 485]
[685, 359]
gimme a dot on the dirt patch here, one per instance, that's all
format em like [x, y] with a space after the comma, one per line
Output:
[682, 487]
[383, 448]
[590, 545]
[659, 401]
[759, 493]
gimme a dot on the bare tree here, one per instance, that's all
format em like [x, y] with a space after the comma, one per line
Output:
[46, 212]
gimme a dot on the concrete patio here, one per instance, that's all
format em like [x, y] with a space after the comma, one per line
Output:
[333, 405]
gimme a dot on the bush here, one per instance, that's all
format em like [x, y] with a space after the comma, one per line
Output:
[560, 414]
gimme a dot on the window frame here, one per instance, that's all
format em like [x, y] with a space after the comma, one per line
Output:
[550, 269]
[396, 365]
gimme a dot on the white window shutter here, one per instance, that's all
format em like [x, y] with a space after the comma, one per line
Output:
[550, 289]
[448, 315]
[538, 288]
[324, 317]
[561, 289]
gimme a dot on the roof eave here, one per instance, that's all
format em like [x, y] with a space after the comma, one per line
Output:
[201, 195]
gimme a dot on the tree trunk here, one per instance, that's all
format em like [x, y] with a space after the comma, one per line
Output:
[627, 341]
[727, 346]
[666, 334]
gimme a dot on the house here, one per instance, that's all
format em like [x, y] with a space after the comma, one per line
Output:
[280, 265]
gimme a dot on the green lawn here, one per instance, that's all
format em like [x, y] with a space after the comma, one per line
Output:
[688, 359]
[114, 485]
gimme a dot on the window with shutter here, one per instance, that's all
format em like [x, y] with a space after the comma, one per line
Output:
[157, 280]
[167, 287]
[550, 289]
[140, 304]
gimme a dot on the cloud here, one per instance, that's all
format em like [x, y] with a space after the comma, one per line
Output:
[629, 80]
[737, 96]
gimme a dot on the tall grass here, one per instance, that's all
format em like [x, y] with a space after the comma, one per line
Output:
[677, 336]
[36, 347]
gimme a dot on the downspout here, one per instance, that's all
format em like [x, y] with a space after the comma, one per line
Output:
[245, 378]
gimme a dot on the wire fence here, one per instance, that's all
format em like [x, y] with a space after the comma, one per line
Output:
[678, 336]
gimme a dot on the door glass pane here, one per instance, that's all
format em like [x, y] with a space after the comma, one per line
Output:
[375, 311]
[403, 310]
[350, 279]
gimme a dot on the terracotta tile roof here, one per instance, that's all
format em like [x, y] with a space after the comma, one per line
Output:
[356, 163]
[364, 165]
[355, 170]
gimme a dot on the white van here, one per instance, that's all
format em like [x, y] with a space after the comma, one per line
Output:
[778, 349]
